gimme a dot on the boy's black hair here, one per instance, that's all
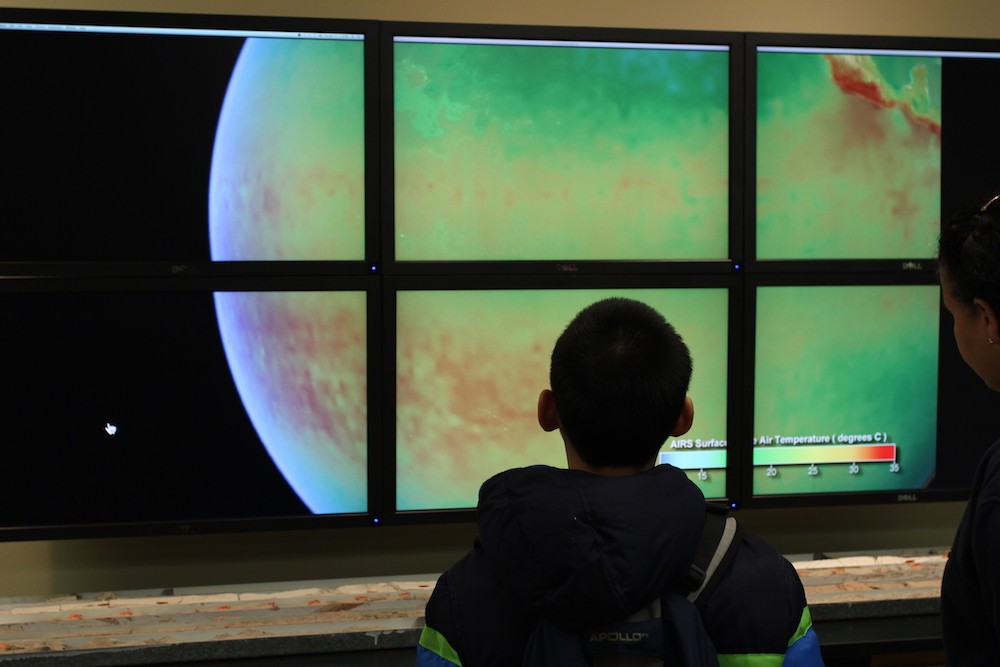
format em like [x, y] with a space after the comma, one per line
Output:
[619, 376]
[969, 252]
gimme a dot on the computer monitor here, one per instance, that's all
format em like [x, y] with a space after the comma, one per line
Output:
[842, 402]
[137, 406]
[472, 357]
[172, 143]
[859, 145]
[559, 147]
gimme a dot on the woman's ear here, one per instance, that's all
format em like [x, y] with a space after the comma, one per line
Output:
[989, 319]
[548, 414]
[685, 419]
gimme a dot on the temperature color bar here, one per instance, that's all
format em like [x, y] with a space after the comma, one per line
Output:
[698, 459]
[806, 454]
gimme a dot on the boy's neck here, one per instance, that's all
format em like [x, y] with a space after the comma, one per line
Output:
[574, 462]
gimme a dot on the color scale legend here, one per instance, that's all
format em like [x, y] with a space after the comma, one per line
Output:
[817, 454]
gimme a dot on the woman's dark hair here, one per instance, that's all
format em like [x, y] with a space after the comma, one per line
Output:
[969, 252]
[619, 375]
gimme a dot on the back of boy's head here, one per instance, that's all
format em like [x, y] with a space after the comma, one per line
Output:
[620, 376]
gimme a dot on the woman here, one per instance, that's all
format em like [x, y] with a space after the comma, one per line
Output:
[969, 255]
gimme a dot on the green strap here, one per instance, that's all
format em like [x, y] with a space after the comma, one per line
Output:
[751, 660]
[805, 623]
[435, 642]
[767, 659]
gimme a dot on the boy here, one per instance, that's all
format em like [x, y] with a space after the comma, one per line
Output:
[603, 540]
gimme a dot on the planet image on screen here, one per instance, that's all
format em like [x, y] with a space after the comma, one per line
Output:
[287, 183]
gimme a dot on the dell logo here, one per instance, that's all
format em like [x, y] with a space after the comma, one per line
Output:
[618, 636]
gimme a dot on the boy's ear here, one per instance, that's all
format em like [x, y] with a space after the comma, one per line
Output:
[548, 414]
[685, 419]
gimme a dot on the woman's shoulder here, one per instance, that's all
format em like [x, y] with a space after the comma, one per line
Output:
[990, 465]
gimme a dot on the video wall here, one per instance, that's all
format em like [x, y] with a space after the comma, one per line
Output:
[272, 272]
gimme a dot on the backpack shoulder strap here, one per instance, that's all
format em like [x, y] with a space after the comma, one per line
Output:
[686, 642]
[677, 634]
[720, 540]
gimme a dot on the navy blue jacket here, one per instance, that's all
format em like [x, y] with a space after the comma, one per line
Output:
[970, 592]
[583, 550]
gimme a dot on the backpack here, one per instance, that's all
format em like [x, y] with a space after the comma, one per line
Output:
[669, 632]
